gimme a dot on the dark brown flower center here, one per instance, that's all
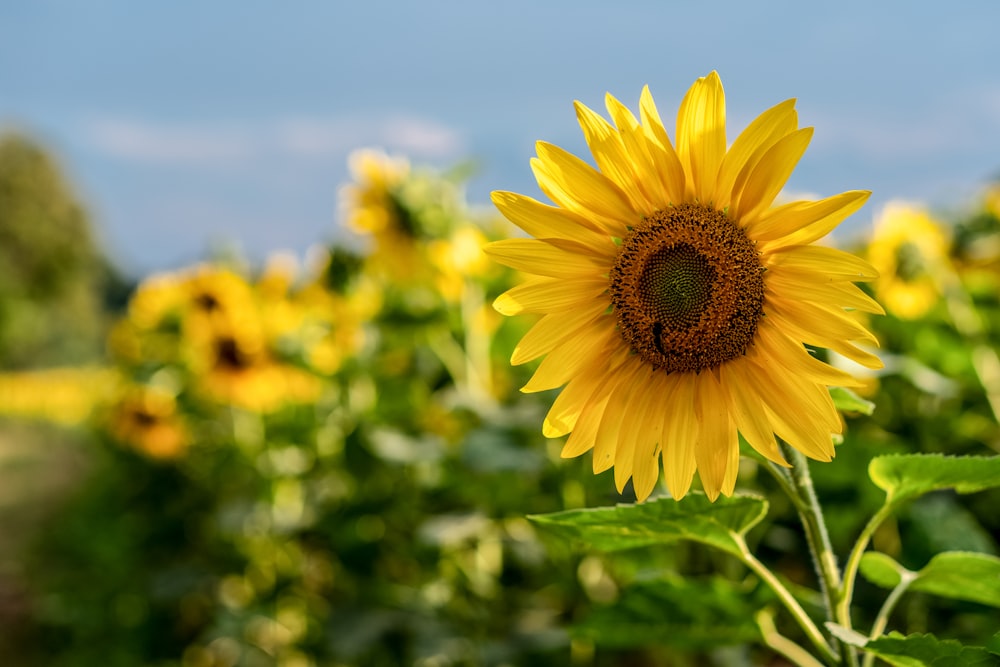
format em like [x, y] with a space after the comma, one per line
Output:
[687, 289]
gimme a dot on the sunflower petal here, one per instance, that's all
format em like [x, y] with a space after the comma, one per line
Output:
[770, 175]
[549, 295]
[565, 361]
[775, 123]
[544, 221]
[830, 263]
[609, 152]
[552, 330]
[665, 159]
[802, 222]
[576, 186]
[680, 438]
[701, 135]
[545, 259]
[717, 453]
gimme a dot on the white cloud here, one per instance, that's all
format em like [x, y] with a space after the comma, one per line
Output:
[202, 144]
[135, 140]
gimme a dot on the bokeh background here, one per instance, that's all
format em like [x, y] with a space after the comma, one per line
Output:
[255, 408]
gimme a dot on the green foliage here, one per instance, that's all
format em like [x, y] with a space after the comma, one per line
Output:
[847, 401]
[907, 476]
[51, 275]
[662, 608]
[925, 650]
[952, 574]
[721, 524]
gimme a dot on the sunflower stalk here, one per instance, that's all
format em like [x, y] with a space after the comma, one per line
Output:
[824, 560]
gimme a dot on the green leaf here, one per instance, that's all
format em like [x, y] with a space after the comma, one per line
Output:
[847, 401]
[723, 615]
[662, 521]
[905, 476]
[924, 651]
[881, 570]
[959, 575]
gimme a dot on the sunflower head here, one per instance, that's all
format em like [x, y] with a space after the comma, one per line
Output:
[910, 250]
[677, 299]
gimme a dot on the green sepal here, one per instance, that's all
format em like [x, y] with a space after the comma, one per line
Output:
[847, 401]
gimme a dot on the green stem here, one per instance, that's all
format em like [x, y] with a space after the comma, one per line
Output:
[853, 561]
[782, 645]
[789, 601]
[883, 614]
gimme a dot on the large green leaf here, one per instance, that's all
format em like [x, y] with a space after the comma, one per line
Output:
[960, 575]
[682, 612]
[923, 651]
[662, 521]
[905, 476]
[847, 401]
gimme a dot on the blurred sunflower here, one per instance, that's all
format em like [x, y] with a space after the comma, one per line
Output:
[146, 418]
[910, 250]
[457, 259]
[371, 206]
[238, 369]
[677, 298]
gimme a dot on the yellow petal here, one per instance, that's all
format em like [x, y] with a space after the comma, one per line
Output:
[582, 438]
[544, 221]
[818, 335]
[701, 135]
[770, 175]
[649, 183]
[646, 466]
[802, 222]
[635, 432]
[565, 362]
[575, 185]
[665, 161]
[776, 344]
[569, 405]
[550, 295]
[830, 263]
[748, 411]
[606, 441]
[609, 153]
[553, 329]
[680, 437]
[847, 295]
[717, 453]
[545, 259]
[750, 145]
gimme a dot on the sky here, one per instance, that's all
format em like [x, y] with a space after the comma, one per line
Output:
[186, 126]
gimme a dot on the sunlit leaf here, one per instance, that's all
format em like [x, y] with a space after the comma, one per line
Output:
[881, 570]
[663, 609]
[922, 651]
[659, 521]
[960, 575]
[905, 476]
[847, 401]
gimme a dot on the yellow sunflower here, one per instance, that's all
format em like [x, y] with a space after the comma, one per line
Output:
[677, 298]
[371, 206]
[147, 419]
[910, 250]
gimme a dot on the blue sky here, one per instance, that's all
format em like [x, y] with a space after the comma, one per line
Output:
[185, 124]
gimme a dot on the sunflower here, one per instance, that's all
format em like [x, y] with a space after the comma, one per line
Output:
[910, 250]
[147, 419]
[677, 298]
[372, 206]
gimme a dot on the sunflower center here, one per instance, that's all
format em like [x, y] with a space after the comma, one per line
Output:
[687, 289]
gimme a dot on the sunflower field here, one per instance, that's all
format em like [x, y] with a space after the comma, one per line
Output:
[663, 419]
